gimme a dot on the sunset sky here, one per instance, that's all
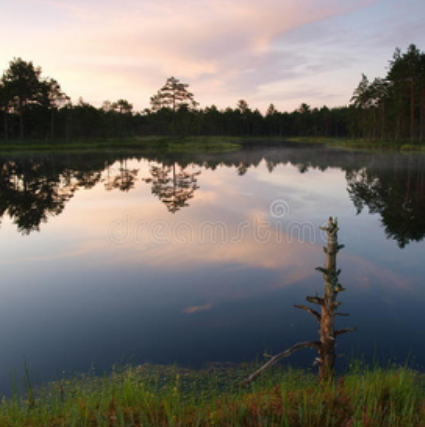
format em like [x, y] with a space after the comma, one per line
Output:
[280, 51]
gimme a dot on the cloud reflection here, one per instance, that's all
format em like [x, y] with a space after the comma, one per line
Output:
[197, 308]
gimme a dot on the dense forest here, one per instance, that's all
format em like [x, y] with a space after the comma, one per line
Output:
[389, 108]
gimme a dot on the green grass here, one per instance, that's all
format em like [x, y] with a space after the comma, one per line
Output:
[201, 144]
[166, 396]
[210, 144]
[362, 143]
[152, 143]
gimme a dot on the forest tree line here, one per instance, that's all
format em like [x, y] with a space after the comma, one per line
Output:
[391, 108]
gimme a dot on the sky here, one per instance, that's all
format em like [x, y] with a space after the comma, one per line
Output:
[284, 52]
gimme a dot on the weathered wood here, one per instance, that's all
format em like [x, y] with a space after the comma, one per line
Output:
[277, 357]
[326, 318]
[315, 300]
[323, 270]
[344, 331]
[327, 332]
[310, 311]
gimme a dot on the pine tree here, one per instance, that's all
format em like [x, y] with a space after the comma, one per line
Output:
[175, 97]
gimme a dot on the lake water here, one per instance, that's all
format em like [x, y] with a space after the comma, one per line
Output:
[123, 257]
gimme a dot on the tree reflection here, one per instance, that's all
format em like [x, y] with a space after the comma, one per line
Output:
[87, 179]
[34, 188]
[29, 193]
[173, 188]
[397, 194]
[125, 180]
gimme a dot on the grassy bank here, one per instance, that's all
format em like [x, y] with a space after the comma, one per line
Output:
[161, 396]
[362, 143]
[165, 144]
[203, 144]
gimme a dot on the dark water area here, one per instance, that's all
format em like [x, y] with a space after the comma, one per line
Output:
[122, 257]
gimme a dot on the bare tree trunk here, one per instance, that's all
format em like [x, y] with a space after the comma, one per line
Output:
[21, 126]
[6, 128]
[68, 124]
[329, 304]
[422, 114]
[52, 124]
[397, 131]
[412, 110]
[326, 317]
[21, 120]
[384, 121]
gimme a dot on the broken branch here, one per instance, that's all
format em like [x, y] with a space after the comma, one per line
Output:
[310, 311]
[315, 300]
[344, 331]
[286, 353]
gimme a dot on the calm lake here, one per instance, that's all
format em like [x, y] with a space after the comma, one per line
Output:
[130, 257]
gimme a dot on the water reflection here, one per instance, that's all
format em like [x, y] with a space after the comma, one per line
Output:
[396, 193]
[73, 296]
[172, 185]
[34, 188]
[124, 180]
[31, 190]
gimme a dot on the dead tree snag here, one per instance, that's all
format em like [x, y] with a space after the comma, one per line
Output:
[325, 316]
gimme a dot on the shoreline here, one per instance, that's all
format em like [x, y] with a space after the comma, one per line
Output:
[206, 144]
[155, 395]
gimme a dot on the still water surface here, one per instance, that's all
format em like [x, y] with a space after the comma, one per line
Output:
[113, 257]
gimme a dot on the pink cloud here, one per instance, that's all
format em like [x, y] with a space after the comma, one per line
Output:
[222, 47]
[197, 308]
